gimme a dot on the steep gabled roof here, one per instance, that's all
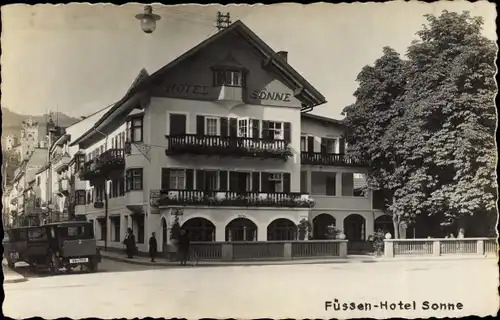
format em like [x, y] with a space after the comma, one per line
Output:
[143, 74]
[309, 95]
[303, 88]
[322, 119]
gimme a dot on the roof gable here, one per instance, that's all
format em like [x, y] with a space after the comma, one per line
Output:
[309, 95]
[302, 90]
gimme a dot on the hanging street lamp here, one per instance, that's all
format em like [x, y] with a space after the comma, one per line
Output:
[148, 19]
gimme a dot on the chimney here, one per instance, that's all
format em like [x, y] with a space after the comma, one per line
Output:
[283, 55]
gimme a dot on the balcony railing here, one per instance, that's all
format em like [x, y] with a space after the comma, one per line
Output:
[230, 199]
[61, 162]
[440, 247]
[328, 159]
[270, 250]
[110, 161]
[228, 146]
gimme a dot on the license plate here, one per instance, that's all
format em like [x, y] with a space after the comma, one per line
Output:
[79, 260]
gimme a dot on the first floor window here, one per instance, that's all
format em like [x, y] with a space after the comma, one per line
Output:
[276, 182]
[178, 179]
[243, 128]
[134, 179]
[303, 144]
[276, 130]
[211, 126]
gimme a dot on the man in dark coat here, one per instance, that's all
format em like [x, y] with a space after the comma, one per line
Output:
[184, 243]
[153, 247]
[129, 243]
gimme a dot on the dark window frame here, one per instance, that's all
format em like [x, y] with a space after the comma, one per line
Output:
[132, 126]
[222, 74]
[132, 176]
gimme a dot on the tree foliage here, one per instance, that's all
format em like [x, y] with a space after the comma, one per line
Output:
[426, 125]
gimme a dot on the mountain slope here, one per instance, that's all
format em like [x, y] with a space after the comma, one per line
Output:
[11, 122]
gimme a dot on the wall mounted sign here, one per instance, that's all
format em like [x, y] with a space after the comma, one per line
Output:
[268, 95]
[187, 88]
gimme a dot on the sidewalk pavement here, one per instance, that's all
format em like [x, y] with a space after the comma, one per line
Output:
[160, 261]
[11, 276]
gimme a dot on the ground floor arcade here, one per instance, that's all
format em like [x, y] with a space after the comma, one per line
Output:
[234, 224]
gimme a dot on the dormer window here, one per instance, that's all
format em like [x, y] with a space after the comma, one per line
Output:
[230, 78]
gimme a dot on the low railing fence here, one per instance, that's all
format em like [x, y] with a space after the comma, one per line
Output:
[270, 250]
[439, 247]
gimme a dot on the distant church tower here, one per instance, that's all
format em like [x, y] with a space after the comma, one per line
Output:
[29, 138]
[10, 142]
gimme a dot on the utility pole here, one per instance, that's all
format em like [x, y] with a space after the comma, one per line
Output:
[223, 21]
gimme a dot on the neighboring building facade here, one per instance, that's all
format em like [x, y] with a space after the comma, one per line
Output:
[29, 138]
[9, 142]
[218, 138]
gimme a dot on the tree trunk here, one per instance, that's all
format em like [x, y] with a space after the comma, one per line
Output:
[395, 222]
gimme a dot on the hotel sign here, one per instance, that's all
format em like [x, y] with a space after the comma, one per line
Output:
[269, 95]
[187, 89]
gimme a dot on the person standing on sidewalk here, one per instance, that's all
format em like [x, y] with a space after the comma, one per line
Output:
[129, 243]
[153, 247]
[184, 244]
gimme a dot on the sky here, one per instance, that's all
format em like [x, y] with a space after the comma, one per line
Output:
[79, 58]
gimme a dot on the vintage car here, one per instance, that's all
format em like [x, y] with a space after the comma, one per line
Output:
[53, 246]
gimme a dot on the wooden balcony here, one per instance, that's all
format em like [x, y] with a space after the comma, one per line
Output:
[104, 166]
[229, 199]
[328, 159]
[228, 146]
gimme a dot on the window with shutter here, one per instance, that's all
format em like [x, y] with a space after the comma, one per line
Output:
[287, 134]
[177, 180]
[303, 143]
[223, 180]
[177, 124]
[310, 144]
[233, 127]
[200, 125]
[165, 179]
[224, 127]
[342, 146]
[211, 126]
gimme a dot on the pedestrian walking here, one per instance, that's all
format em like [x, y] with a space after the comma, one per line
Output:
[184, 244]
[153, 247]
[129, 243]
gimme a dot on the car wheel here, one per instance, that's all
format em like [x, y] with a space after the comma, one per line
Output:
[93, 265]
[10, 263]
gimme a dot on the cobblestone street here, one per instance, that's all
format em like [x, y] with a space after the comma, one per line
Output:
[278, 291]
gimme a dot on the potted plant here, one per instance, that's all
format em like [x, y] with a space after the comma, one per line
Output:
[332, 232]
[378, 242]
[304, 229]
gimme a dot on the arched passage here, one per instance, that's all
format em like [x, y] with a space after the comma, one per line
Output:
[320, 225]
[384, 223]
[355, 227]
[281, 229]
[200, 229]
[241, 229]
[164, 234]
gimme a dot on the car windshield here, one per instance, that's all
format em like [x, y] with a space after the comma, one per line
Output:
[76, 232]
[37, 234]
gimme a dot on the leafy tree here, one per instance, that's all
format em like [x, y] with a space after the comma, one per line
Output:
[440, 137]
[368, 119]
